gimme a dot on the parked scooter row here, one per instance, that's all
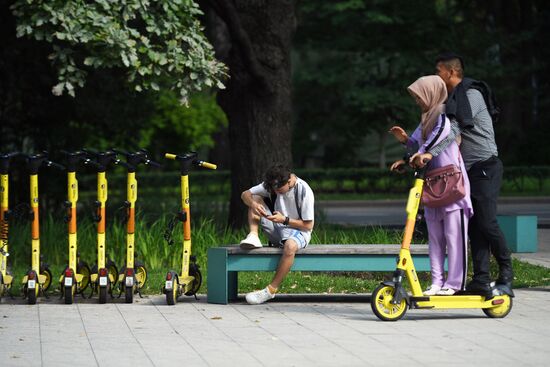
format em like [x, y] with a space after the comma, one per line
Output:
[104, 275]
[39, 277]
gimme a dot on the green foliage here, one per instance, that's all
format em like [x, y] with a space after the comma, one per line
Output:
[159, 43]
[173, 126]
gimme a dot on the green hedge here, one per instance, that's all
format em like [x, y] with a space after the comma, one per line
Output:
[534, 180]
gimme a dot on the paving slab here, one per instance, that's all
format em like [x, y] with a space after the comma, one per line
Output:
[295, 331]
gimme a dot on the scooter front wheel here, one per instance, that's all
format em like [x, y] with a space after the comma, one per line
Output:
[48, 274]
[501, 310]
[83, 269]
[196, 284]
[113, 271]
[383, 308]
[141, 275]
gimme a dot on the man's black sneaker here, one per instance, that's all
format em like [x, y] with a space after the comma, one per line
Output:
[504, 282]
[506, 275]
[483, 289]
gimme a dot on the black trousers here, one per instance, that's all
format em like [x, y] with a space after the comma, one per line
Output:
[486, 238]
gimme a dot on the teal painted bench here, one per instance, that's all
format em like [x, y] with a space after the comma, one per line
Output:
[520, 232]
[224, 263]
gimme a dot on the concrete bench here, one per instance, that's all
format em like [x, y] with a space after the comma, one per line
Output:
[520, 232]
[224, 263]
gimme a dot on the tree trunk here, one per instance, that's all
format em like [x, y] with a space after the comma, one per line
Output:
[257, 100]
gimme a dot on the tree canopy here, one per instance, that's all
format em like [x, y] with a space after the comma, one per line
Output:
[157, 43]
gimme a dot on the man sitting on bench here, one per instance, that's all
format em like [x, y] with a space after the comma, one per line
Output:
[283, 206]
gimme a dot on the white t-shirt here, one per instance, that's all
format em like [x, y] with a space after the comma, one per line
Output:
[286, 203]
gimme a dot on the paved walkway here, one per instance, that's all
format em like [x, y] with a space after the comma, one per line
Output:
[294, 331]
[193, 333]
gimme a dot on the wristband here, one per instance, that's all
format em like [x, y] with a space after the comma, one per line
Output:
[287, 220]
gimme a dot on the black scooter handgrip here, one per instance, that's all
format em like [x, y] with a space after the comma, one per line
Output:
[153, 163]
[55, 165]
[92, 163]
[11, 155]
[122, 163]
[120, 151]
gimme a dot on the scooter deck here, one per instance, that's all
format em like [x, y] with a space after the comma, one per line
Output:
[461, 301]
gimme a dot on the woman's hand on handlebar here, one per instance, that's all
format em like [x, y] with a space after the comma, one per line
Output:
[419, 160]
[398, 166]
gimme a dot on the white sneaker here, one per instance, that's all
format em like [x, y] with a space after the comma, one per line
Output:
[446, 292]
[251, 241]
[432, 290]
[259, 297]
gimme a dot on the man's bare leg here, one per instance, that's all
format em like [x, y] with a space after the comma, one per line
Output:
[287, 259]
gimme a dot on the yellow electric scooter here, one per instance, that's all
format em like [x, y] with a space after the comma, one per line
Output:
[39, 278]
[104, 274]
[76, 276]
[390, 300]
[189, 280]
[133, 275]
[6, 278]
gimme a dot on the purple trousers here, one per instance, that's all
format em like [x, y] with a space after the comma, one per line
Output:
[448, 235]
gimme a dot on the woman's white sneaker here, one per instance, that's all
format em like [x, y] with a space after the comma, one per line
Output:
[446, 292]
[432, 290]
[259, 297]
[251, 241]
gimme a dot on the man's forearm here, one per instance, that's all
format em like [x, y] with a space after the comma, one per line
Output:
[302, 225]
[246, 197]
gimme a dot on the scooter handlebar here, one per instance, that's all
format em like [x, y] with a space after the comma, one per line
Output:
[208, 165]
[190, 158]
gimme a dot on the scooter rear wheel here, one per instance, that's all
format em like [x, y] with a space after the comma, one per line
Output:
[128, 294]
[172, 294]
[31, 295]
[68, 293]
[103, 294]
[383, 308]
[501, 310]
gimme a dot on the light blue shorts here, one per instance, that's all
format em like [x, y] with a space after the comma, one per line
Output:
[277, 233]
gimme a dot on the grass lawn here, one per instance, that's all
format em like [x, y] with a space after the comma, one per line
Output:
[160, 257]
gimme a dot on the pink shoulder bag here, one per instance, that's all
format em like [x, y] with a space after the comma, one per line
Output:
[443, 186]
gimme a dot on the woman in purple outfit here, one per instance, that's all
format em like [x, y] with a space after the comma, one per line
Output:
[447, 225]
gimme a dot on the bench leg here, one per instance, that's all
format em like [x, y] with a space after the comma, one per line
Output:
[218, 276]
[232, 285]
